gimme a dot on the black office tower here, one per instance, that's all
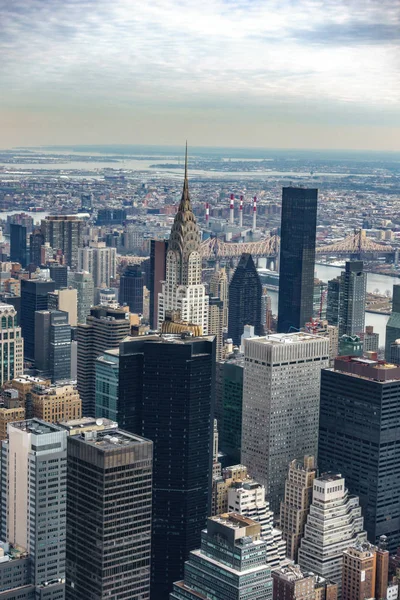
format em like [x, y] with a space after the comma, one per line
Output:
[158, 255]
[178, 392]
[297, 258]
[18, 244]
[33, 297]
[245, 291]
[53, 344]
[59, 274]
[36, 241]
[359, 438]
[131, 288]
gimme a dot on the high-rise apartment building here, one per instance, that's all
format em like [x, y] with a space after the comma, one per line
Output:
[182, 291]
[230, 565]
[330, 332]
[177, 407]
[11, 345]
[82, 281]
[360, 413]
[53, 344]
[296, 503]
[245, 292]
[105, 328]
[393, 324]
[247, 498]
[353, 289]
[36, 241]
[65, 299]
[297, 257]
[56, 402]
[333, 302]
[34, 296]
[59, 274]
[370, 339]
[158, 253]
[219, 288]
[100, 261]
[18, 244]
[281, 393]
[215, 324]
[334, 524]
[64, 232]
[131, 288]
[108, 514]
[33, 500]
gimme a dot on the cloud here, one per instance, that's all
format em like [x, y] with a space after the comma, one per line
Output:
[325, 54]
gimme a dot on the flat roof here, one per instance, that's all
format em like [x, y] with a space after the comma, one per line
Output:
[36, 426]
[286, 338]
[109, 439]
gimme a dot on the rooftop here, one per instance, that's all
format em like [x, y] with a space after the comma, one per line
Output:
[109, 439]
[233, 520]
[87, 422]
[291, 573]
[328, 477]
[287, 338]
[367, 368]
[35, 426]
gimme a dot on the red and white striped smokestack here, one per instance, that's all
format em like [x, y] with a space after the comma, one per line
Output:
[207, 213]
[241, 212]
[231, 210]
[254, 213]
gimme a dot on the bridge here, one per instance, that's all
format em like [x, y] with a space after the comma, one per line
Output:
[356, 243]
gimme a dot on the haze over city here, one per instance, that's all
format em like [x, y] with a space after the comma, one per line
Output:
[287, 74]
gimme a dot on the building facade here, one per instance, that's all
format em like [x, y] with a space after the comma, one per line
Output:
[393, 324]
[64, 232]
[297, 258]
[108, 515]
[158, 253]
[100, 261]
[281, 394]
[353, 290]
[53, 345]
[131, 288]
[18, 244]
[107, 378]
[230, 565]
[56, 402]
[245, 291]
[215, 324]
[219, 288]
[11, 345]
[82, 281]
[34, 296]
[360, 413]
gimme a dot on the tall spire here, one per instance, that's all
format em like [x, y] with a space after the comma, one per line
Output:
[185, 200]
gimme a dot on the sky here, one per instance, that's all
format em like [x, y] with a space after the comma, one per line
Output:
[244, 73]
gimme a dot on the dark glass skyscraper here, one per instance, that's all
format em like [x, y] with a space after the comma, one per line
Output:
[108, 515]
[33, 297]
[358, 437]
[245, 291]
[18, 244]
[53, 344]
[158, 253]
[393, 324]
[297, 257]
[178, 393]
[36, 241]
[131, 288]
[59, 274]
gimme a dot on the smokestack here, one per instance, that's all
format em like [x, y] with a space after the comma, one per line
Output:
[231, 210]
[241, 212]
[254, 213]
[207, 214]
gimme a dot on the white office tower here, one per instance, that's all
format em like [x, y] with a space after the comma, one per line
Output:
[33, 500]
[182, 290]
[281, 393]
[334, 524]
[247, 498]
[100, 261]
[11, 345]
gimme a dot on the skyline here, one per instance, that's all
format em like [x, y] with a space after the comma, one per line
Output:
[231, 73]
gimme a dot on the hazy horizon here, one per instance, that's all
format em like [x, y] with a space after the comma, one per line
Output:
[269, 74]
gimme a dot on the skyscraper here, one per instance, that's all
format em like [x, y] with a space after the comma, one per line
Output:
[393, 324]
[245, 292]
[53, 344]
[107, 379]
[335, 511]
[131, 288]
[215, 324]
[65, 299]
[36, 241]
[82, 281]
[333, 302]
[281, 393]
[230, 565]
[105, 328]
[219, 289]
[183, 291]
[100, 261]
[360, 413]
[296, 504]
[64, 232]
[230, 425]
[18, 244]
[59, 274]
[34, 296]
[158, 253]
[108, 515]
[353, 289]
[178, 392]
[11, 345]
[297, 257]
[34, 487]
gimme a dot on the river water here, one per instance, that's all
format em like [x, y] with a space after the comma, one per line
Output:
[374, 282]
